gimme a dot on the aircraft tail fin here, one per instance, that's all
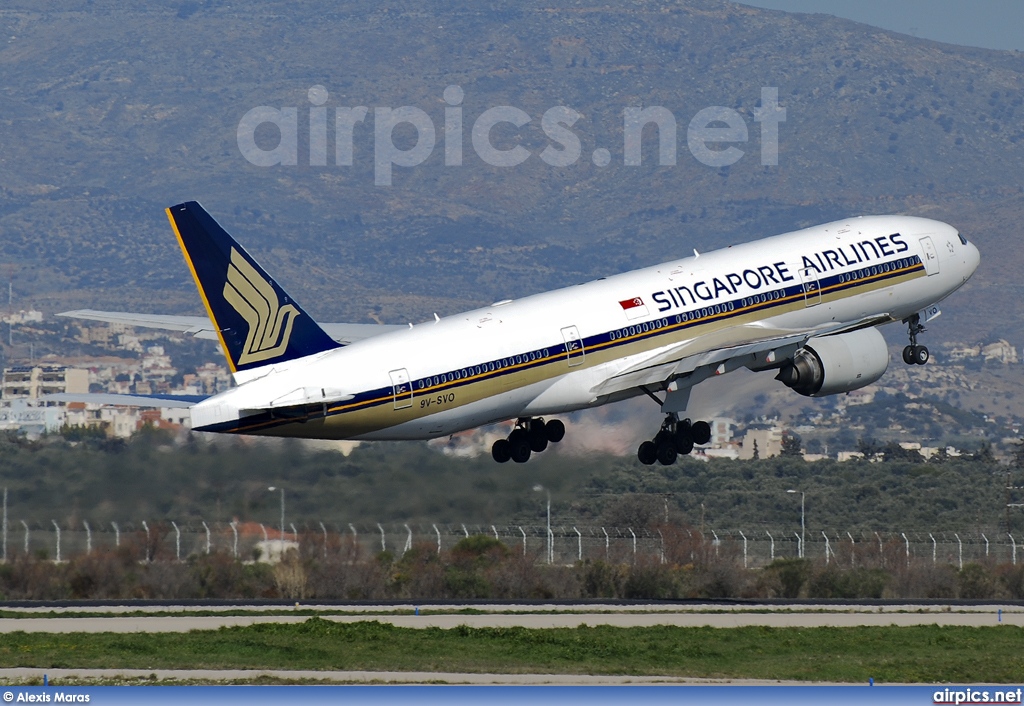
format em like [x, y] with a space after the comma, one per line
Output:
[257, 322]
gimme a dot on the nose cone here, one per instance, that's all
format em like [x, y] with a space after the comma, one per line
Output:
[972, 258]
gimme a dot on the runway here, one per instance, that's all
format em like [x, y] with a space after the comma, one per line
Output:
[107, 618]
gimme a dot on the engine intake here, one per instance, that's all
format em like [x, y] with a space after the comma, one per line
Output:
[832, 364]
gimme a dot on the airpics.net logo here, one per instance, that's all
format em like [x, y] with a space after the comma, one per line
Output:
[715, 135]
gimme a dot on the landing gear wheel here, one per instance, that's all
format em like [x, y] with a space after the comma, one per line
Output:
[701, 433]
[520, 449]
[555, 430]
[915, 354]
[647, 453]
[684, 442]
[666, 452]
[538, 440]
[501, 451]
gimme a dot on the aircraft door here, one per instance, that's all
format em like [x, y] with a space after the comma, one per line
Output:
[402, 388]
[812, 291]
[929, 255]
[574, 352]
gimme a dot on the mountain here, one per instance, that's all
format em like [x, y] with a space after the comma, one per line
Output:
[110, 112]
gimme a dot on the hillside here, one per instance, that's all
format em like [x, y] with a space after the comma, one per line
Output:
[111, 112]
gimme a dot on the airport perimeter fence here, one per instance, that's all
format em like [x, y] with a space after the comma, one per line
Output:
[167, 540]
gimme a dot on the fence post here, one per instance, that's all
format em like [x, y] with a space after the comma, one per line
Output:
[772, 540]
[439, 541]
[57, 527]
[495, 530]
[408, 539]
[295, 532]
[716, 542]
[23, 524]
[177, 541]
[383, 544]
[799, 546]
[662, 537]
[881, 552]
[266, 540]
[88, 537]
[579, 540]
[853, 551]
[1014, 542]
[744, 548]
[146, 527]
[634, 543]
[934, 547]
[117, 534]
[907, 542]
[207, 528]
[324, 530]
[607, 543]
[986, 544]
[960, 545]
[551, 546]
[234, 542]
[828, 547]
[520, 529]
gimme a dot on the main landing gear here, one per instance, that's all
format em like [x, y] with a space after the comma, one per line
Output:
[915, 354]
[529, 436]
[676, 437]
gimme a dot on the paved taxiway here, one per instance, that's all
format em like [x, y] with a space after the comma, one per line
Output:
[539, 616]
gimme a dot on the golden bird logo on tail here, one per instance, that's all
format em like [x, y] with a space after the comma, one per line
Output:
[270, 324]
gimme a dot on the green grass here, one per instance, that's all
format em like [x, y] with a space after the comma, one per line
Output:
[888, 654]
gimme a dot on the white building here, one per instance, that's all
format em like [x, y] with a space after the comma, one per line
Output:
[33, 382]
[767, 441]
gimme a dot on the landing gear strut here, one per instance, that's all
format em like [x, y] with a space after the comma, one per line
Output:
[529, 436]
[915, 354]
[675, 437]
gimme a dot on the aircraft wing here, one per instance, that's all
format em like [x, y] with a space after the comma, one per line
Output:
[201, 326]
[162, 401]
[753, 345]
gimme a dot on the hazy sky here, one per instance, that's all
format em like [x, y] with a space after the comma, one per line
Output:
[994, 24]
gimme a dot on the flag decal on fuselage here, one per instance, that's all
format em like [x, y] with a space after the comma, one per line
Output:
[634, 308]
[270, 324]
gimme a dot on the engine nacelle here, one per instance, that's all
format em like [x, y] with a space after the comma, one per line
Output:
[833, 364]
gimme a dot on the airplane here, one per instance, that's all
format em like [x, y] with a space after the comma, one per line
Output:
[806, 305]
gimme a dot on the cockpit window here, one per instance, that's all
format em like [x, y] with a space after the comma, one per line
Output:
[963, 240]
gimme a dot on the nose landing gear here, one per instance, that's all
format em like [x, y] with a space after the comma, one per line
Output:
[915, 354]
[529, 436]
[675, 437]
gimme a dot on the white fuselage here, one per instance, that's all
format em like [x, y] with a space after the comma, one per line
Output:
[563, 350]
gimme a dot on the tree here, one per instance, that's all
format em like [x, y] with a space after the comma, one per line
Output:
[792, 445]
[1018, 456]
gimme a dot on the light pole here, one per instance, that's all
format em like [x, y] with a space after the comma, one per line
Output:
[539, 488]
[272, 489]
[803, 526]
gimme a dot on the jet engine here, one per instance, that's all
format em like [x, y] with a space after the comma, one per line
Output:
[840, 363]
